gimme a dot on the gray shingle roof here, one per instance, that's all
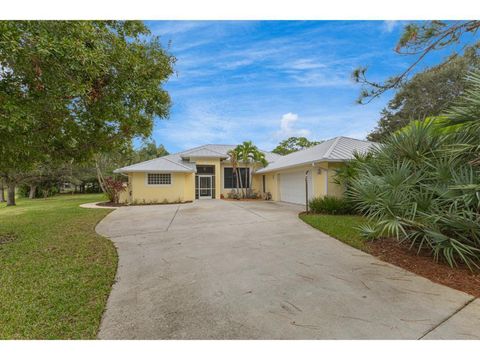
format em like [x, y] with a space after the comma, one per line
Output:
[178, 162]
[337, 149]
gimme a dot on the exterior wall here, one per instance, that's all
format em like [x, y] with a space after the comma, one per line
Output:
[183, 184]
[323, 174]
[334, 189]
[181, 189]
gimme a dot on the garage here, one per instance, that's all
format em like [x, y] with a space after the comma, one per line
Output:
[292, 187]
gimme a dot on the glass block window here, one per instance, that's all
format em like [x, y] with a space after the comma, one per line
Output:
[159, 179]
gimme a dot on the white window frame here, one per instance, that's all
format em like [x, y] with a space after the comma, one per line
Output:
[158, 185]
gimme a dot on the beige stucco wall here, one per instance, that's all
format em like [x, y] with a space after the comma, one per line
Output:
[181, 189]
[320, 173]
[183, 184]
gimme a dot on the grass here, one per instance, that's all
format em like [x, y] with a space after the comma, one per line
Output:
[341, 227]
[56, 272]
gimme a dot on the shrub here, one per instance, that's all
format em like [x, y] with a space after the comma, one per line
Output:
[113, 188]
[330, 205]
[423, 186]
[234, 195]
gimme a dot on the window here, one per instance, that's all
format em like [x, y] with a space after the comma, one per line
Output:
[159, 179]
[230, 178]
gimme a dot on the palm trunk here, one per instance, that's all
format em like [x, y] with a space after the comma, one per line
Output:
[11, 194]
[2, 192]
[33, 190]
[247, 188]
[239, 176]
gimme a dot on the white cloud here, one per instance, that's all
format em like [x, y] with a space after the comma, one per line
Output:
[305, 64]
[390, 25]
[287, 127]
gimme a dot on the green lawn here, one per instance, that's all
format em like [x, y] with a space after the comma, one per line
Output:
[341, 227]
[55, 271]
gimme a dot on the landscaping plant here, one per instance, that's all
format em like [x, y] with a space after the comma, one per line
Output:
[113, 188]
[423, 184]
[330, 205]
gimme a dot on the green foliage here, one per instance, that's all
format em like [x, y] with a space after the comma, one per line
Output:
[330, 205]
[71, 89]
[149, 151]
[342, 227]
[428, 93]
[419, 187]
[248, 154]
[293, 144]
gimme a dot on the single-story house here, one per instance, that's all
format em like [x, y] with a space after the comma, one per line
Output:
[205, 172]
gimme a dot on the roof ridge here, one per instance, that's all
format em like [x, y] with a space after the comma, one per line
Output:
[330, 149]
[176, 163]
[351, 138]
[205, 148]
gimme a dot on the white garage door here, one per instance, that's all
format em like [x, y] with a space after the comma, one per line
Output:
[292, 187]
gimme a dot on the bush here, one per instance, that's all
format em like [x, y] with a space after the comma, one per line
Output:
[234, 195]
[330, 205]
[113, 188]
[423, 187]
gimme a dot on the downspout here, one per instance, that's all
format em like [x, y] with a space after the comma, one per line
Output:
[306, 191]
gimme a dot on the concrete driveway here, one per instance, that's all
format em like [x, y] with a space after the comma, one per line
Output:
[216, 269]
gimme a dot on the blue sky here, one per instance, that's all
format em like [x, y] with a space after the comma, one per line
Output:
[267, 80]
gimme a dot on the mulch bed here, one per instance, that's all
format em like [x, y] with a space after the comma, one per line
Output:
[112, 204]
[243, 199]
[423, 264]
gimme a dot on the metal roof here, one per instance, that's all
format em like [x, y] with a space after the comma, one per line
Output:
[337, 149]
[177, 162]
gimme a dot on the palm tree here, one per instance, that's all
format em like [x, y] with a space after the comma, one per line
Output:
[233, 154]
[249, 153]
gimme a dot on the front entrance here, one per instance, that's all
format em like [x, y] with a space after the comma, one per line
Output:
[205, 187]
[205, 182]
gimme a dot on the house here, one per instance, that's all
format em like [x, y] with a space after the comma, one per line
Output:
[205, 172]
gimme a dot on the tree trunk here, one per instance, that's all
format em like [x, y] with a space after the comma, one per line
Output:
[11, 194]
[247, 185]
[239, 173]
[100, 177]
[2, 192]
[33, 191]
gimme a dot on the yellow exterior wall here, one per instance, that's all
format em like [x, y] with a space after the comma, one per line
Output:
[183, 184]
[334, 189]
[320, 172]
[182, 189]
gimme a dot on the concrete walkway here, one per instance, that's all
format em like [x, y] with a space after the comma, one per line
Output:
[215, 269]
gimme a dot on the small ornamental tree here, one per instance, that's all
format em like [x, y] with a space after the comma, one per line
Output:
[113, 188]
